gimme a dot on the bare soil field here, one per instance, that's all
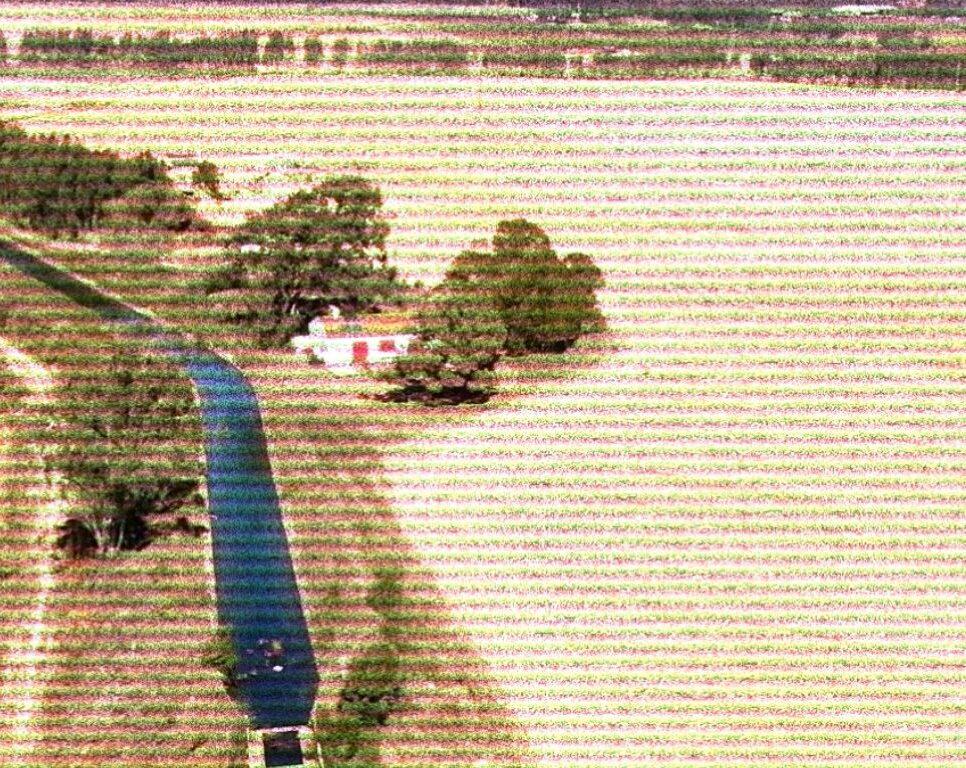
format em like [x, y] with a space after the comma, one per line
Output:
[729, 531]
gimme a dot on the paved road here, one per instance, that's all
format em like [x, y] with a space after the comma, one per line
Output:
[254, 580]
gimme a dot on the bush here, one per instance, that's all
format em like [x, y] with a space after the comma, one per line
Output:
[219, 653]
[460, 338]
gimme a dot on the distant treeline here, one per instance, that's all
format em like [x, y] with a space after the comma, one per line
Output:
[159, 51]
[52, 184]
[698, 42]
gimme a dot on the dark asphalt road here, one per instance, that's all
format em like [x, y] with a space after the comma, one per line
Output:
[254, 580]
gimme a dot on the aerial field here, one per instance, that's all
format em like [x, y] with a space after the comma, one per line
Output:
[730, 530]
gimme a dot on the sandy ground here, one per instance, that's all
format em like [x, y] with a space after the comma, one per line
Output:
[21, 689]
[649, 569]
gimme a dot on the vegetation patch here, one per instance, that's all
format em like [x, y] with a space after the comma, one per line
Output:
[318, 248]
[520, 298]
[130, 452]
[54, 184]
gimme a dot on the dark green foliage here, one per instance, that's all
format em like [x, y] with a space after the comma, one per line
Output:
[319, 247]
[129, 449]
[545, 302]
[151, 206]
[61, 47]
[219, 653]
[460, 337]
[903, 40]
[518, 298]
[53, 184]
[527, 61]
[159, 53]
[277, 48]
[732, 16]
[206, 176]
[340, 53]
[313, 51]
[417, 56]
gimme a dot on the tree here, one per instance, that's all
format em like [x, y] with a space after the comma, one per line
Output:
[319, 247]
[314, 50]
[130, 450]
[460, 338]
[340, 54]
[54, 184]
[546, 303]
[277, 48]
[585, 279]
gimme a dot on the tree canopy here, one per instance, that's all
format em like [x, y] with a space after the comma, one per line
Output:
[460, 338]
[319, 247]
[545, 302]
[519, 297]
[54, 184]
[129, 448]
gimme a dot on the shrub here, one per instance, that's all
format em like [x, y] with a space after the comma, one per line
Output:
[460, 338]
[206, 176]
[219, 653]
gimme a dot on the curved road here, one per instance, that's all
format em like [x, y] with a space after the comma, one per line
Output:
[254, 581]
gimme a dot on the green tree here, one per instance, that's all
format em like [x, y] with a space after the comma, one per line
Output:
[340, 53]
[318, 247]
[313, 51]
[130, 450]
[154, 206]
[545, 302]
[460, 338]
